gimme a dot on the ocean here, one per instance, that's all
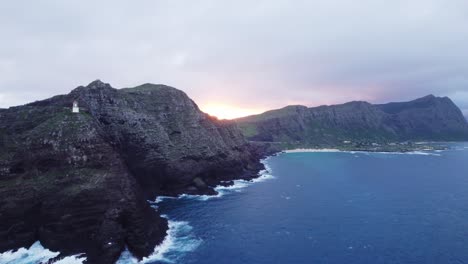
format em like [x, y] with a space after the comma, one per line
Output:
[327, 207]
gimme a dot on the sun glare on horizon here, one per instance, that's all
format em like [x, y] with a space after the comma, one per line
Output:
[227, 111]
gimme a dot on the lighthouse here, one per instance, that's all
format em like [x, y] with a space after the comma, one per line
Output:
[75, 108]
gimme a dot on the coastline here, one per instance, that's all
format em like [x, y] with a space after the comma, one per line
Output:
[223, 187]
[176, 228]
[302, 150]
[403, 147]
[415, 152]
[38, 253]
[169, 242]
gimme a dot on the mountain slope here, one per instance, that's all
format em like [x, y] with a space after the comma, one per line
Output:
[427, 118]
[79, 182]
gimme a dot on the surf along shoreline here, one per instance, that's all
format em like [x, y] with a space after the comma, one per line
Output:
[178, 231]
[174, 227]
[235, 185]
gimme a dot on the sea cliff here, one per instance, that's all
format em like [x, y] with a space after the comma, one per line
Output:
[79, 182]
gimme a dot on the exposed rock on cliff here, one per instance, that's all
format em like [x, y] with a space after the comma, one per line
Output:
[78, 182]
[427, 118]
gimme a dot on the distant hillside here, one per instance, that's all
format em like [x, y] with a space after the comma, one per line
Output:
[428, 118]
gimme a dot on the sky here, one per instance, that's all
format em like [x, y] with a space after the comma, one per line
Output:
[242, 57]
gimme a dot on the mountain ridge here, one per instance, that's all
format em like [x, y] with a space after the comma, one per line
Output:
[425, 118]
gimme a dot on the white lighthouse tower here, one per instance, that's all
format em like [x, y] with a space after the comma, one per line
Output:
[75, 108]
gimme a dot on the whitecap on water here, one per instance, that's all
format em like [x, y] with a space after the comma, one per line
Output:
[179, 239]
[36, 254]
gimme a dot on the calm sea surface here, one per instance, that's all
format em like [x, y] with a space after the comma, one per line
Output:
[331, 208]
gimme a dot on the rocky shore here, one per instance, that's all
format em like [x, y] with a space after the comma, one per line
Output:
[79, 182]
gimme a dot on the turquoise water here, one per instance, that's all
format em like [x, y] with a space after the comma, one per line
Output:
[332, 208]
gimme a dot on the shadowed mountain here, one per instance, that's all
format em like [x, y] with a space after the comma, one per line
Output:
[428, 118]
[79, 182]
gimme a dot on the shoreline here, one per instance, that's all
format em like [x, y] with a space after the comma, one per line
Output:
[169, 240]
[415, 152]
[222, 186]
[38, 253]
[387, 148]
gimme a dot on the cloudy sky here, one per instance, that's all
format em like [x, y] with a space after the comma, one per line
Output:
[238, 57]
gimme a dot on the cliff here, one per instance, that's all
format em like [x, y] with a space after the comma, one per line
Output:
[426, 119]
[78, 182]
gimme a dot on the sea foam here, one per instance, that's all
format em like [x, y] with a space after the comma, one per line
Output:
[179, 239]
[221, 190]
[36, 254]
[425, 152]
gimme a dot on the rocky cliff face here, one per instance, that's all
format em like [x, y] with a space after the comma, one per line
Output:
[79, 182]
[427, 118]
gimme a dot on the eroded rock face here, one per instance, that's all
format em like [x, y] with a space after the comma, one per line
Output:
[428, 118]
[79, 182]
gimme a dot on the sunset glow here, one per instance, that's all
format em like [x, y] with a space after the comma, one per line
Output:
[228, 111]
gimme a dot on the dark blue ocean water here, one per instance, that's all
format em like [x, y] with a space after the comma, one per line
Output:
[332, 208]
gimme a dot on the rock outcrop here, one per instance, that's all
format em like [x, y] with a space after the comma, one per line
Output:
[426, 119]
[79, 182]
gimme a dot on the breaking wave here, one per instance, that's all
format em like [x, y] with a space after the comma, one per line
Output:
[179, 239]
[36, 254]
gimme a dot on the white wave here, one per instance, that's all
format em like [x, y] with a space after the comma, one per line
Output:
[301, 150]
[202, 197]
[179, 239]
[162, 198]
[265, 176]
[36, 254]
[425, 152]
[221, 190]
[422, 153]
[71, 260]
[236, 186]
